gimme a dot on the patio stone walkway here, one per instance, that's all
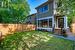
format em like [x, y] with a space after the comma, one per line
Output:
[71, 37]
[68, 38]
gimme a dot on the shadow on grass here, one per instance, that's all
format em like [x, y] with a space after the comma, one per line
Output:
[34, 40]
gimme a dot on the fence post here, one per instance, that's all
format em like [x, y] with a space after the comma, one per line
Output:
[0, 36]
[0, 39]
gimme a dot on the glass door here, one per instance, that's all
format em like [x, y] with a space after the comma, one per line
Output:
[60, 22]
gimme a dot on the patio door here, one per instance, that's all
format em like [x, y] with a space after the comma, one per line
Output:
[60, 22]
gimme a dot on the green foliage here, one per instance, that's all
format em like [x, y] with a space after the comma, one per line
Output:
[15, 11]
[35, 40]
[67, 8]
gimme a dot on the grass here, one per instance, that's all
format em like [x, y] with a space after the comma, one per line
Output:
[36, 40]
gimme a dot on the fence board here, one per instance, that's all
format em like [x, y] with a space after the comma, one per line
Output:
[11, 28]
[73, 28]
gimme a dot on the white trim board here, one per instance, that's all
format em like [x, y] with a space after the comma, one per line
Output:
[48, 29]
[43, 28]
[45, 18]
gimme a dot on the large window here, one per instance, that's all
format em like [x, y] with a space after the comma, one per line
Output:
[43, 9]
[40, 10]
[50, 22]
[43, 23]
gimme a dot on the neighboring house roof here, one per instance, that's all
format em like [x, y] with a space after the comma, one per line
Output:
[29, 16]
[44, 4]
[30, 19]
[33, 14]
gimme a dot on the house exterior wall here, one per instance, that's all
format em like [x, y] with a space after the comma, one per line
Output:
[31, 19]
[47, 13]
[51, 13]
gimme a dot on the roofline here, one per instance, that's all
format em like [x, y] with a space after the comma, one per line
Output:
[41, 4]
[32, 14]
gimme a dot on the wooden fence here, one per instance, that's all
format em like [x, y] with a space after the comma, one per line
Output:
[11, 28]
[6, 29]
[73, 28]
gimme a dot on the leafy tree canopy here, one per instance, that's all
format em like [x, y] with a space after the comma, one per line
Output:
[67, 7]
[14, 11]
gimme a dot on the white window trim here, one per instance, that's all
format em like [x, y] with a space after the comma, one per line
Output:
[48, 19]
[43, 28]
[48, 29]
[65, 24]
[66, 20]
[54, 6]
[45, 18]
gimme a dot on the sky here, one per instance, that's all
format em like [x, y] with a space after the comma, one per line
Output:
[33, 4]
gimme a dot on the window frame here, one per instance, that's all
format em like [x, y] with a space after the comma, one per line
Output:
[43, 9]
[42, 24]
[50, 20]
[58, 23]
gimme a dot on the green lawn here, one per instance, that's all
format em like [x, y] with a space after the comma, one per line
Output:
[35, 40]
